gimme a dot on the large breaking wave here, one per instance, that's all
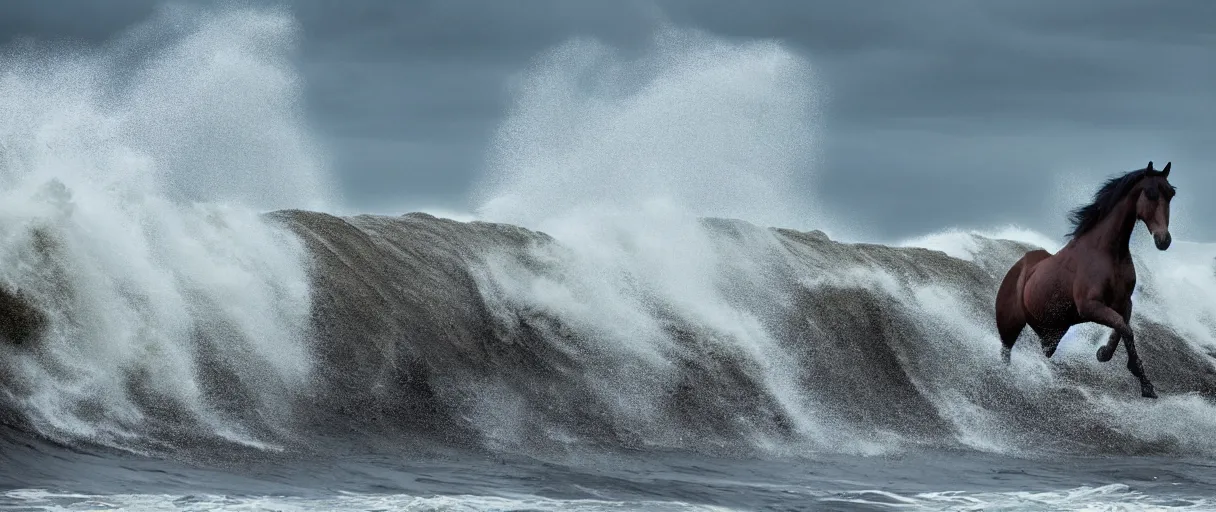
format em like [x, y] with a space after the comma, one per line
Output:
[778, 342]
[163, 306]
[607, 298]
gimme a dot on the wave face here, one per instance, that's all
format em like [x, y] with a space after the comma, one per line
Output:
[779, 343]
[606, 299]
[150, 304]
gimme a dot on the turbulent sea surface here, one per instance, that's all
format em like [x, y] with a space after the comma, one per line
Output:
[642, 314]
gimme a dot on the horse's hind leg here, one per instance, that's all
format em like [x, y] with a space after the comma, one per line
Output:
[1009, 330]
[1010, 318]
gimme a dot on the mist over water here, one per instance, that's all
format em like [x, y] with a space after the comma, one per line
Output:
[132, 182]
[694, 124]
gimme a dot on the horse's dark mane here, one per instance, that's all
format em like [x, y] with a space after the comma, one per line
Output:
[1114, 190]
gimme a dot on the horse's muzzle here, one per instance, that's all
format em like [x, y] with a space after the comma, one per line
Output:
[1163, 240]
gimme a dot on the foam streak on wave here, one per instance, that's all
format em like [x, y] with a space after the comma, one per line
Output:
[618, 159]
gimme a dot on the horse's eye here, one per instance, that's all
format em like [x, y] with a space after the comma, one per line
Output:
[1151, 193]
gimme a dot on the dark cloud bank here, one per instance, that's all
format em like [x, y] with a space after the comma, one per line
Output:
[937, 114]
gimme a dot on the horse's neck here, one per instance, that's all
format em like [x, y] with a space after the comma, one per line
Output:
[1114, 233]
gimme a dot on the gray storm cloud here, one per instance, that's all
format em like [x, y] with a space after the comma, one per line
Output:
[937, 114]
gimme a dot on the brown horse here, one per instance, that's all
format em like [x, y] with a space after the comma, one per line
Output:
[1091, 279]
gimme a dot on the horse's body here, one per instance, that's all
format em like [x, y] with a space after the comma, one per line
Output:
[1091, 279]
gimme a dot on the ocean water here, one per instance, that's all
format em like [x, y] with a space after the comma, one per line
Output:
[647, 311]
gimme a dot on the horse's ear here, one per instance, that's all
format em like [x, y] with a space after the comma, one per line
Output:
[1165, 171]
[1150, 165]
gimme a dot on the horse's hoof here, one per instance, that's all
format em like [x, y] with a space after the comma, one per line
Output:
[1147, 391]
[1105, 353]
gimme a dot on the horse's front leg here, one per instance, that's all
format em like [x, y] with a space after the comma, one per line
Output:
[1137, 368]
[1107, 351]
[1095, 311]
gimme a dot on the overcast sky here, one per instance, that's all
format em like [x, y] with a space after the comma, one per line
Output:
[939, 113]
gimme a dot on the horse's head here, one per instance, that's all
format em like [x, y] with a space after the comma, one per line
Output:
[1153, 204]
